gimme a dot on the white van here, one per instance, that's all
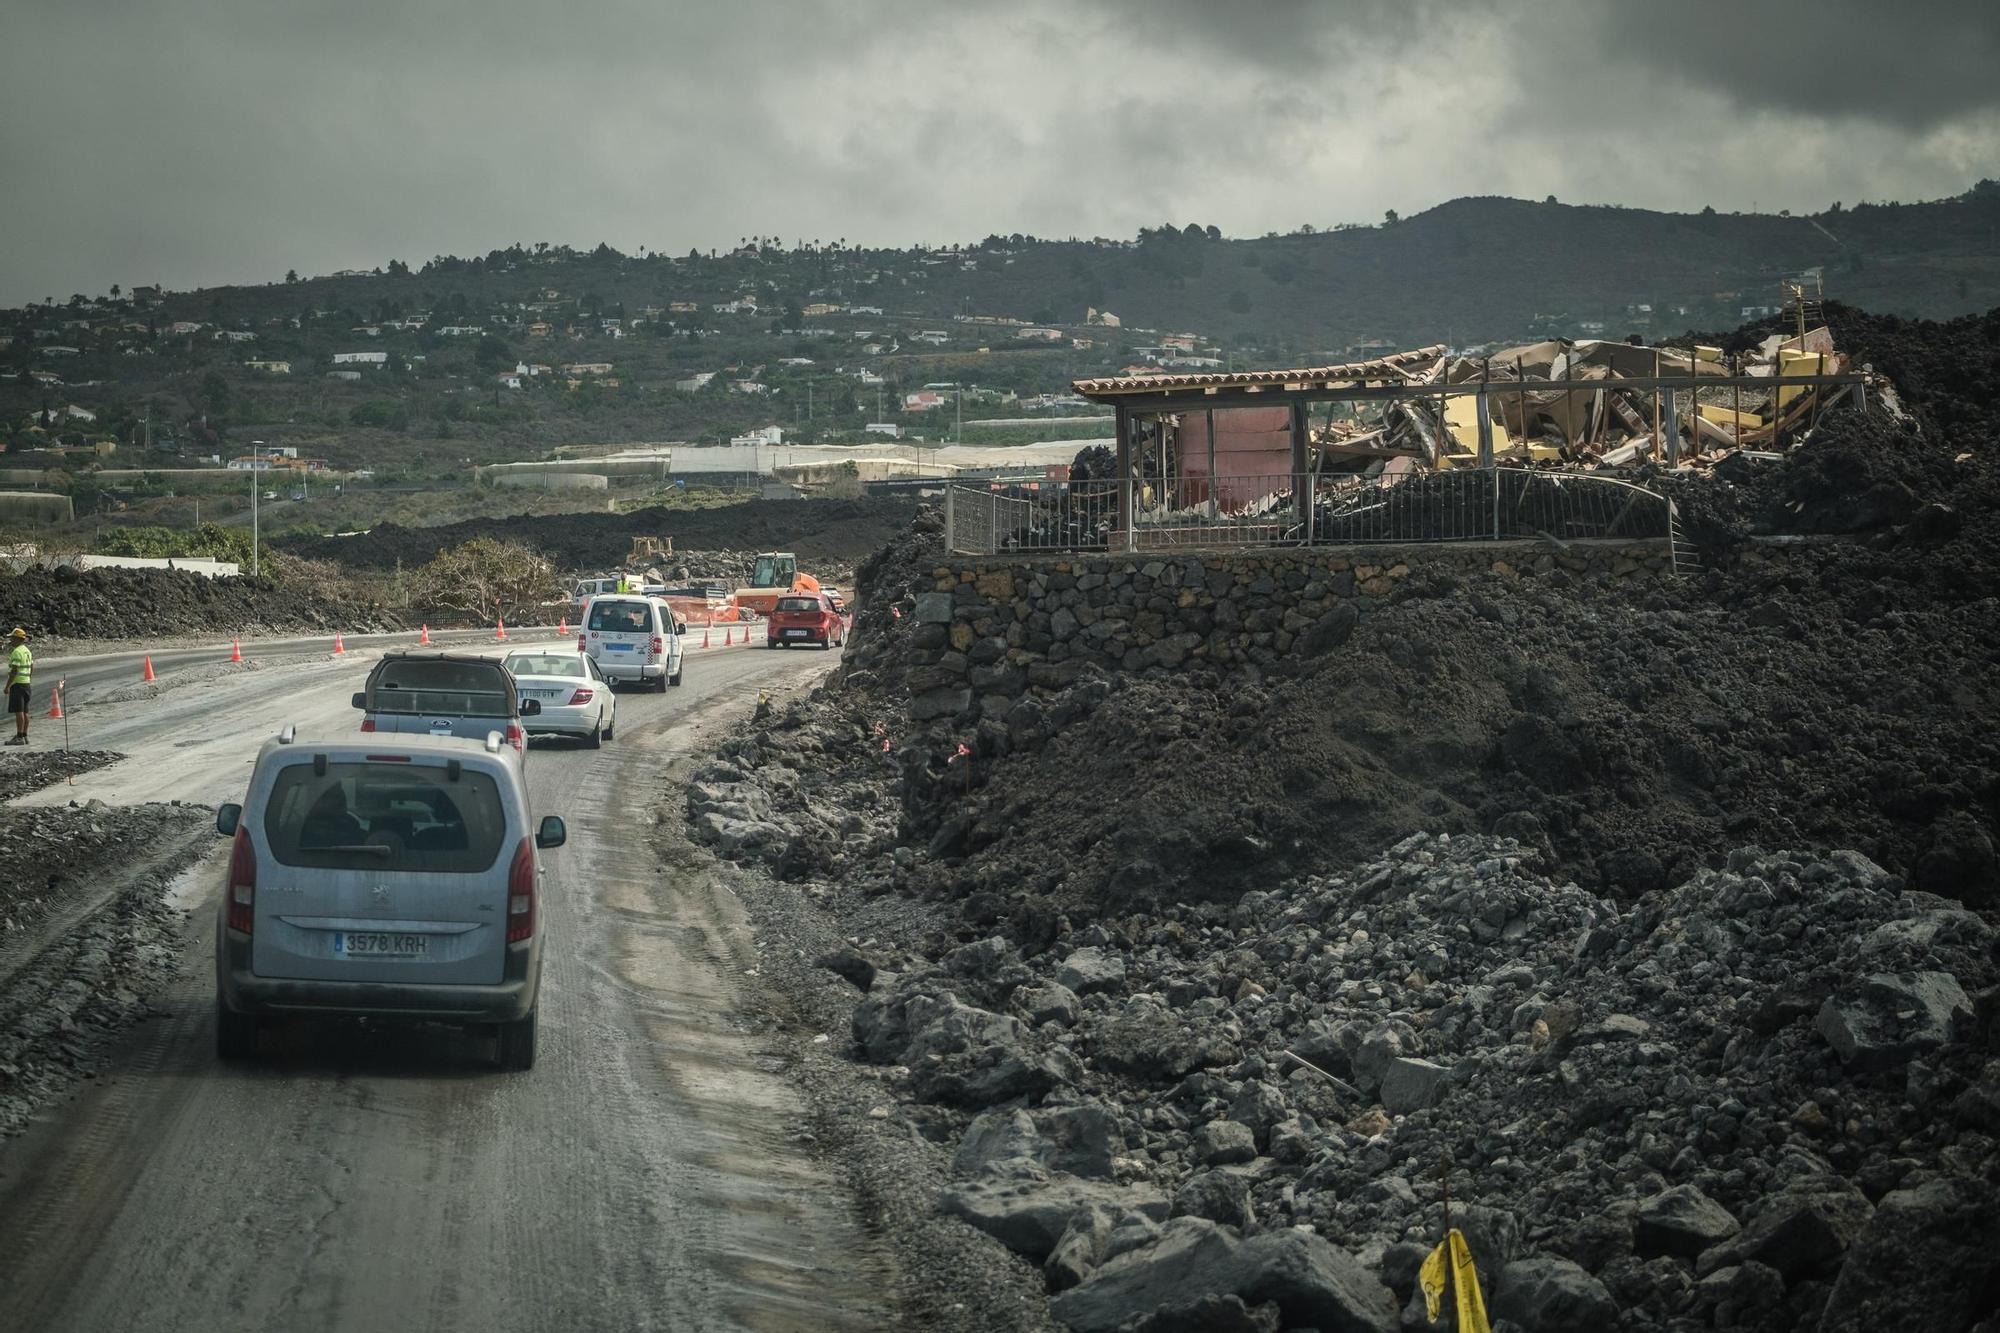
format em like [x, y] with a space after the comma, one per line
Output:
[633, 638]
[386, 876]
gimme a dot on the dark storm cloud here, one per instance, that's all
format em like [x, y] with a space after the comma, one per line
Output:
[1913, 66]
[199, 141]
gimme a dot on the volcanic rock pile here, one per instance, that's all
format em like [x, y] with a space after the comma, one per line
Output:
[1747, 1099]
[833, 530]
[1132, 952]
[142, 603]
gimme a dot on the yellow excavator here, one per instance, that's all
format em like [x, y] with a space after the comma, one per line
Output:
[776, 574]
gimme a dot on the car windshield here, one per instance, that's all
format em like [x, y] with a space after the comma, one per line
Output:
[797, 604]
[380, 816]
[428, 685]
[621, 617]
[545, 664]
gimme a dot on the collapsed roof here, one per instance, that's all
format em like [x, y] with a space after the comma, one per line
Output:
[1558, 403]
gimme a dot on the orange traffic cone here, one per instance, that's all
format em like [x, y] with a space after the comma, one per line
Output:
[55, 703]
[339, 644]
[704, 636]
[236, 650]
[500, 630]
[728, 636]
[149, 668]
[562, 628]
[426, 637]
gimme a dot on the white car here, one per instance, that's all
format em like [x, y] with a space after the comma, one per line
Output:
[576, 698]
[633, 638]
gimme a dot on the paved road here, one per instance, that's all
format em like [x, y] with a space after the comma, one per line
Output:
[644, 1175]
[90, 674]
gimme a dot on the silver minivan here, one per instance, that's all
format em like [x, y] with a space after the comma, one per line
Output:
[633, 638]
[389, 876]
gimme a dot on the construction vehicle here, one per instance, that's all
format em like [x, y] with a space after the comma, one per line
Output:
[648, 551]
[776, 574]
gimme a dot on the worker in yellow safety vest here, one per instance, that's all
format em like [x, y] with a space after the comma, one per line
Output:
[20, 669]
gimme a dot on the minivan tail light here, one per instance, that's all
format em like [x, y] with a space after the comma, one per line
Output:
[659, 645]
[368, 724]
[521, 893]
[584, 694]
[517, 737]
[242, 881]
[579, 641]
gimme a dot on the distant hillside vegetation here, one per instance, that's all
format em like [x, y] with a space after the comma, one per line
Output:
[821, 337]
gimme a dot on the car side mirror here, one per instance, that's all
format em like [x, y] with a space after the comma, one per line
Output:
[226, 819]
[360, 699]
[552, 833]
[680, 627]
[530, 707]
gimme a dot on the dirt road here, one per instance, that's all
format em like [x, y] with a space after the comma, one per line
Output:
[647, 1174]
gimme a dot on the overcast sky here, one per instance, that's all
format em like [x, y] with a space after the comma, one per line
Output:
[193, 142]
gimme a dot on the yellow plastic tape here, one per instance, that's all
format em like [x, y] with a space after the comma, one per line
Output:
[1465, 1284]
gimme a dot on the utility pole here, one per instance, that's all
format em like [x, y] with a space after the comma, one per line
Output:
[256, 452]
[958, 425]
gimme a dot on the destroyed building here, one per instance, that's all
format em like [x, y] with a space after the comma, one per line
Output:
[1310, 455]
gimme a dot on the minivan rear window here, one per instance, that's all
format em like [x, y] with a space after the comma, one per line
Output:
[405, 817]
[621, 617]
[797, 604]
[429, 685]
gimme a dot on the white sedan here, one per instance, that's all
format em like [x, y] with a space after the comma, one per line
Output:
[575, 697]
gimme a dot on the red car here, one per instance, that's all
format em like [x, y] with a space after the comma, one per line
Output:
[805, 618]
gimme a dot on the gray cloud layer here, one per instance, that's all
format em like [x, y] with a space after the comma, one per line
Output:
[202, 141]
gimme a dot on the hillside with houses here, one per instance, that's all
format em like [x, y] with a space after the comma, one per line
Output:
[424, 370]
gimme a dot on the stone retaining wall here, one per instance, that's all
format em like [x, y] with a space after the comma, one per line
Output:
[990, 629]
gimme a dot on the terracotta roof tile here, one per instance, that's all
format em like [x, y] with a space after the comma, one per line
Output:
[1395, 368]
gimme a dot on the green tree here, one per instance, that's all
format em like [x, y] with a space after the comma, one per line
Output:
[214, 392]
[1389, 218]
[291, 275]
[493, 352]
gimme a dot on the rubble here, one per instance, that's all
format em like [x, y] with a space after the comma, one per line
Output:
[1679, 1075]
[1602, 1157]
[32, 769]
[70, 984]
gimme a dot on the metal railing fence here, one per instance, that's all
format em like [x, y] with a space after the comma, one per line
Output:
[1270, 510]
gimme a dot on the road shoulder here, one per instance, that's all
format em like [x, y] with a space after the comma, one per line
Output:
[893, 1156]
